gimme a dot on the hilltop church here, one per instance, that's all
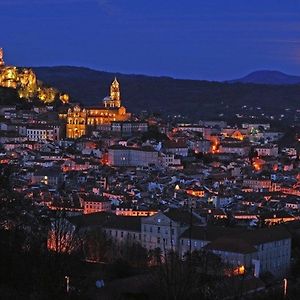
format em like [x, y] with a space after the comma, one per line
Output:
[79, 119]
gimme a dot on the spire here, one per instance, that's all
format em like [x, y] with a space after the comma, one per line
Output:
[115, 82]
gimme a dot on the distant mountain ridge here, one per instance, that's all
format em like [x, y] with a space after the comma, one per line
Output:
[268, 77]
[193, 98]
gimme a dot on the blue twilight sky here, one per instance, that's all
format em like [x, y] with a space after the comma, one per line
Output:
[201, 39]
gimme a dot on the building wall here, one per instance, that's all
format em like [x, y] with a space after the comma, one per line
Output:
[123, 235]
[43, 133]
[169, 159]
[131, 157]
[159, 231]
[275, 257]
[134, 213]
[267, 151]
[201, 146]
[257, 184]
[196, 245]
[241, 151]
[129, 127]
[96, 206]
[178, 151]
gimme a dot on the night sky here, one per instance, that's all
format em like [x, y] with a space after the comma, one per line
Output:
[212, 39]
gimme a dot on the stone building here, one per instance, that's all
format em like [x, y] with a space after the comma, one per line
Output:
[79, 120]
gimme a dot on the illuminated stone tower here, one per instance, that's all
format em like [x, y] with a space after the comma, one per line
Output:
[114, 100]
[1, 58]
[115, 91]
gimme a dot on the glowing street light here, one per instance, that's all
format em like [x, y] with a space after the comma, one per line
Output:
[285, 286]
[67, 278]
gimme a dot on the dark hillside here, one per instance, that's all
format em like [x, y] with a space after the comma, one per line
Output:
[193, 98]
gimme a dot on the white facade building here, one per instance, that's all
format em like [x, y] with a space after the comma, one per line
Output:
[43, 132]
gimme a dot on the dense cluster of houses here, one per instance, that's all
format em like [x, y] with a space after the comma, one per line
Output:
[206, 186]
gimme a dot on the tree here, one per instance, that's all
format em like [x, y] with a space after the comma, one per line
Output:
[188, 277]
[63, 236]
[96, 246]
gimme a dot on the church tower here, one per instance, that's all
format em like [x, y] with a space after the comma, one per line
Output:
[114, 99]
[1, 58]
[115, 92]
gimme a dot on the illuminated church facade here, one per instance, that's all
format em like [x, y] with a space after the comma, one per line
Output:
[80, 119]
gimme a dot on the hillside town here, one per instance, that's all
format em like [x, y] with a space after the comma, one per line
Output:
[232, 190]
[149, 150]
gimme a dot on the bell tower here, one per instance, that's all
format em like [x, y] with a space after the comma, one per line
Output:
[115, 93]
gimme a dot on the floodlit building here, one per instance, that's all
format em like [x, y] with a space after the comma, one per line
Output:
[80, 119]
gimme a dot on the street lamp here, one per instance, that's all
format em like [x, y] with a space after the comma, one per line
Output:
[67, 278]
[285, 286]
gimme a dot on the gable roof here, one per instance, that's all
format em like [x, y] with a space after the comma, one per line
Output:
[107, 220]
[231, 245]
[126, 223]
[210, 233]
[181, 216]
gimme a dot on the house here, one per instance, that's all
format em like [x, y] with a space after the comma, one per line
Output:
[293, 204]
[169, 160]
[93, 203]
[199, 145]
[47, 176]
[179, 148]
[267, 150]
[278, 217]
[43, 132]
[196, 237]
[164, 229]
[260, 250]
[121, 229]
[195, 191]
[220, 201]
[258, 184]
[239, 148]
